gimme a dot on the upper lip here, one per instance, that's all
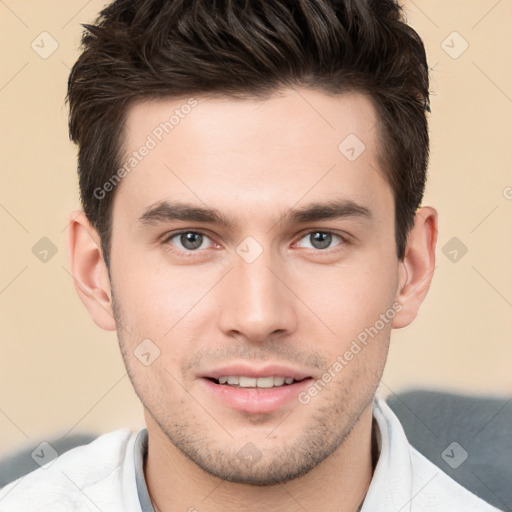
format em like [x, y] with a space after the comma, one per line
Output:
[244, 370]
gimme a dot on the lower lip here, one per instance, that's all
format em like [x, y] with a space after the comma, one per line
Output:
[255, 400]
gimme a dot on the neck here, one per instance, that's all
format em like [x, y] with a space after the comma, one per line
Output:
[339, 482]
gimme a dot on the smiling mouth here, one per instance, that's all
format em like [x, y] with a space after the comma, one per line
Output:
[255, 382]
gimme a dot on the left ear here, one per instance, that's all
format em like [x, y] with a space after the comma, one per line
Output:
[417, 268]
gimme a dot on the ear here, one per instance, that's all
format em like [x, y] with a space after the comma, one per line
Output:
[89, 271]
[417, 268]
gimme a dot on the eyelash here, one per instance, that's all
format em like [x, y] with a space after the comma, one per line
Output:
[190, 254]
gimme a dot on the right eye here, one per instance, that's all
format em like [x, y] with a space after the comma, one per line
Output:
[190, 241]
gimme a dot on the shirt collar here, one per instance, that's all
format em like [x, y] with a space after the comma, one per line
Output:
[140, 452]
[391, 486]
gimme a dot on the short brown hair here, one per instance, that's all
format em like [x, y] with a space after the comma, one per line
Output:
[250, 48]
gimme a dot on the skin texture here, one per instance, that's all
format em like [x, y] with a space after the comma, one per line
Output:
[296, 304]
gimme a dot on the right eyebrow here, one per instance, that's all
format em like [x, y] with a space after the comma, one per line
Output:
[165, 211]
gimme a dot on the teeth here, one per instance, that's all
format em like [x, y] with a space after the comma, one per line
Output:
[247, 382]
[253, 382]
[265, 382]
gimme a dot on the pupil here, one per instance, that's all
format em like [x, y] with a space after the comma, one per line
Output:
[322, 241]
[191, 240]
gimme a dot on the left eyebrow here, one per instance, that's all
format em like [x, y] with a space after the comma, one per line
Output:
[165, 211]
[335, 209]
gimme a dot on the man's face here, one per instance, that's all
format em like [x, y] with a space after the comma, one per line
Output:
[270, 294]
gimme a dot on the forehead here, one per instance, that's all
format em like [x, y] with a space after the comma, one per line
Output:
[280, 119]
[292, 146]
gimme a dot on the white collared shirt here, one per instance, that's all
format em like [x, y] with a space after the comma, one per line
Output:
[107, 475]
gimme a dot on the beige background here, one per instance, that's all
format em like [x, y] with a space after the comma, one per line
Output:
[59, 373]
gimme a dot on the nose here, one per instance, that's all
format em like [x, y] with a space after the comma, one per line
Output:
[257, 302]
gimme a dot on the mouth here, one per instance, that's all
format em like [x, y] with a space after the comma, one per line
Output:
[251, 394]
[255, 382]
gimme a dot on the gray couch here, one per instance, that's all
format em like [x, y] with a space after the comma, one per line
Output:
[468, 437]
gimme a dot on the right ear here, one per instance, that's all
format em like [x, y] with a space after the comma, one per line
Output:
[89, 271]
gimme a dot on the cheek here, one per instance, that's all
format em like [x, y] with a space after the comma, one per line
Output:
[160, 300]
[351, 297]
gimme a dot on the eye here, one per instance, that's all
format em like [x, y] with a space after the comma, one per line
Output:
[190, 241]
[321, 240]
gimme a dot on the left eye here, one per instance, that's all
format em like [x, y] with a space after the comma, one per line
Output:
[321, 239]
